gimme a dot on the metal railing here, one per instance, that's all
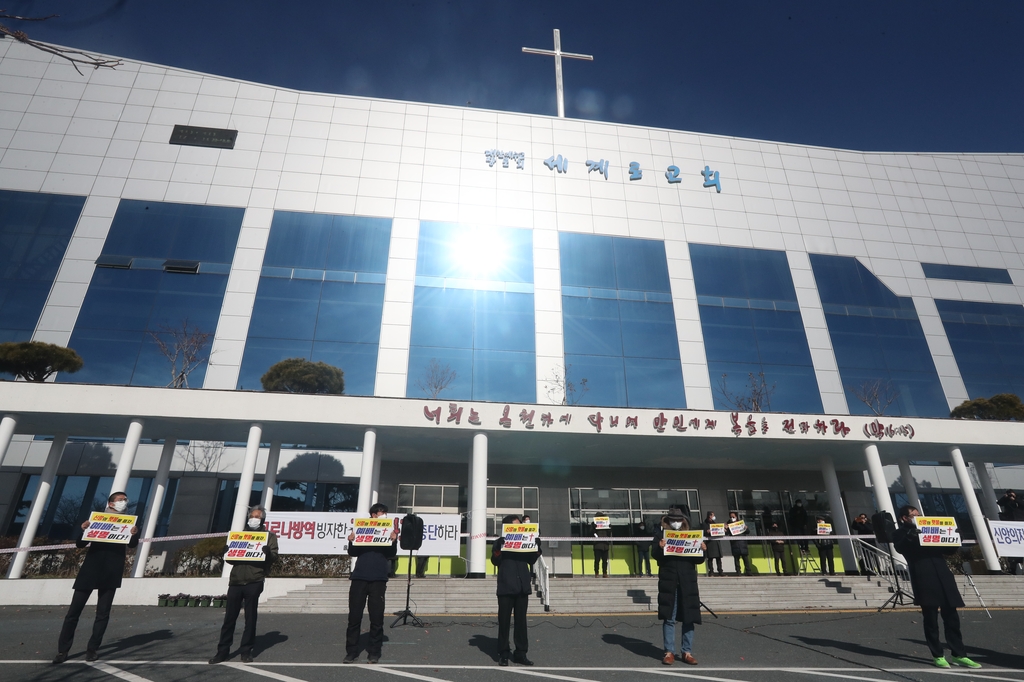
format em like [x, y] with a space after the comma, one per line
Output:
[543, 573]
[875, 561]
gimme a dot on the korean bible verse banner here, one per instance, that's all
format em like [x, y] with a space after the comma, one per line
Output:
[113, 528]
[684, 542]
[937, 530]
[246, 545]
[327, 532]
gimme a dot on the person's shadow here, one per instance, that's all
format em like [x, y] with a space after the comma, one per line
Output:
[135, 642]
[268, 640]
[487, 645]
[855, 648]
[986, 656]
[640, 647]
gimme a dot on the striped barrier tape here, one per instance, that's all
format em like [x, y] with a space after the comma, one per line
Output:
[169, 538]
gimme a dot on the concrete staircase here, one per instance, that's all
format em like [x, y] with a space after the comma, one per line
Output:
[637, 595]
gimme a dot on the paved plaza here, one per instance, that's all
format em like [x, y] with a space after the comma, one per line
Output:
[150, 644]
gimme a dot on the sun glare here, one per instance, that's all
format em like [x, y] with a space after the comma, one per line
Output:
[479, 253]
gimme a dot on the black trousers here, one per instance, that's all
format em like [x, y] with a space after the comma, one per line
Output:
[105, 599]
[711, 563]
[600, 558]
[643, 564]
[421, 566]
[778, 561]
[238, 596]
[369, 595]
[950, 623]
[745, 558]
[828, 556]
[506, 605]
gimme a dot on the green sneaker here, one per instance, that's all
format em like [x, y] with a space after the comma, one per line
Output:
[940, 662]
[964, 661]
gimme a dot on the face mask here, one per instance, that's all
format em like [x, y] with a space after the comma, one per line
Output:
[254, 523]
[711, 518]
[676, 525]
[120, 506]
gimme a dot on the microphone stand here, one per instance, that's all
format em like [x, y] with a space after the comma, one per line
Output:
[405, 614]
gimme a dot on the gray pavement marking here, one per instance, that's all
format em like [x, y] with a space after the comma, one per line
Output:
[535, 673]
[117, 672]
[695, 676]
[265, 673]
[827, 674]
[402, 673]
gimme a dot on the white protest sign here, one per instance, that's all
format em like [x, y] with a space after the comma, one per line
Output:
[824, 528]
[1008, 537]
[519, 537]
[601, 522]
[937, 530]
[716, 529]
[112, 528]
[327, 533]
[684, 542]
[738, 527]
[246, 545]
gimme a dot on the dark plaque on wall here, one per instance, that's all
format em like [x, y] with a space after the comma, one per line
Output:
[194, 136]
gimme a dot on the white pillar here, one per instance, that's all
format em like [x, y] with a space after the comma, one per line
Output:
[477, 548]
[909, 484]
[883, 501]
[365, 498]
[156, 500]
[840, 524]
[270, 477]
[375, 478]
[988, 493]
[35, 511]
[124, 465]
[7, 425]
[988, 549]
[252, 451]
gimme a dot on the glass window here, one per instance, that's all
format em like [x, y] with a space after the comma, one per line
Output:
[338, 308]
[883, 357]
[753, 332]
[35, 230]
[625, 507]
[475, 253]
[988, 344]
[966, 273]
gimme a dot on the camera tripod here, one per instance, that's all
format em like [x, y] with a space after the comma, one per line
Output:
[708, 609]
[405, 614]
[899, 597]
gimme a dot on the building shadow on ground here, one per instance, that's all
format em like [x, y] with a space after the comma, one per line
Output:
[640, 647]
[487, 645]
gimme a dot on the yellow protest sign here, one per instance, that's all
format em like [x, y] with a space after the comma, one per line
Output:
[114, 528]
[937, 531]
[371, 532]
[824, 528]
[716, 529]
[246, 545]
[520, 537]
[738, 527]
[684, 542]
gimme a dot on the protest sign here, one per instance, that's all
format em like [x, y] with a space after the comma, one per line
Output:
[519, 537]
[738, 527]
[684, 542]
[327, 532]
[601, 522]
[246, 545]
[113, 528]
[716, 529]
[937, 530]
[824, 528]
[1008, 537]
[374, 532]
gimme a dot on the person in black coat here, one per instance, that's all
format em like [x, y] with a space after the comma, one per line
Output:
[514, 587]
[826, 549]
[369, 582]
[714, 551]
[602, 549]
[678, 596]
[740, 551]
[643, 549]
[798, 523]
[934, 589]
[101, 571]
[245, 585]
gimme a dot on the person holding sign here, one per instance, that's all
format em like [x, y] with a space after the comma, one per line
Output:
[251, 553]
[934, 587]
[372, 542]
[108, 535]
[678, 555]
[602, 549]
[514, 554]
[713, 554]
[737, 528]
[826, 545]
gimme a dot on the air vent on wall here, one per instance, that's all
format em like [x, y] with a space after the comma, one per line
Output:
[118, 262]
[190, 267]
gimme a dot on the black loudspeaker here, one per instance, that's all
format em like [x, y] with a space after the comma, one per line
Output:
[883, 525]
[412, 532]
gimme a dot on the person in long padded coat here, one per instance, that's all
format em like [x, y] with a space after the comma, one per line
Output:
[101, 571]
[678, 596]
[714, 552]
[513, 592]
[934, 589]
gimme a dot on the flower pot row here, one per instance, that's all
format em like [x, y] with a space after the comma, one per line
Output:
[191, 600]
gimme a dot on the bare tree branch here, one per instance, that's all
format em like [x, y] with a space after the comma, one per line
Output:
[202, 455]
[878, 395]
[436, 378]
[76, 57]
[757, 395]
[184, 350]
[561, 388]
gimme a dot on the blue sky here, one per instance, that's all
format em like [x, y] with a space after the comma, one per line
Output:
[887, 76]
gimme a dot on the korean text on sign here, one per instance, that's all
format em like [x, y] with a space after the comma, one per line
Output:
[115, 528]
[519, 537]
[684, 542]
[716, 530]
[601, 522]
[246, 545]
[738, 527]
[373, 531]
[937, 531]
[824, 528]
[1008, 537]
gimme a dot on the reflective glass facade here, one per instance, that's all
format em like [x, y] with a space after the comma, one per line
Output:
[34, 233]
[320, 297]
[618, 322]
[966, 273]
[988, 344]
[473, 315]
[752, 324]
[877, 338]
[163, 265]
